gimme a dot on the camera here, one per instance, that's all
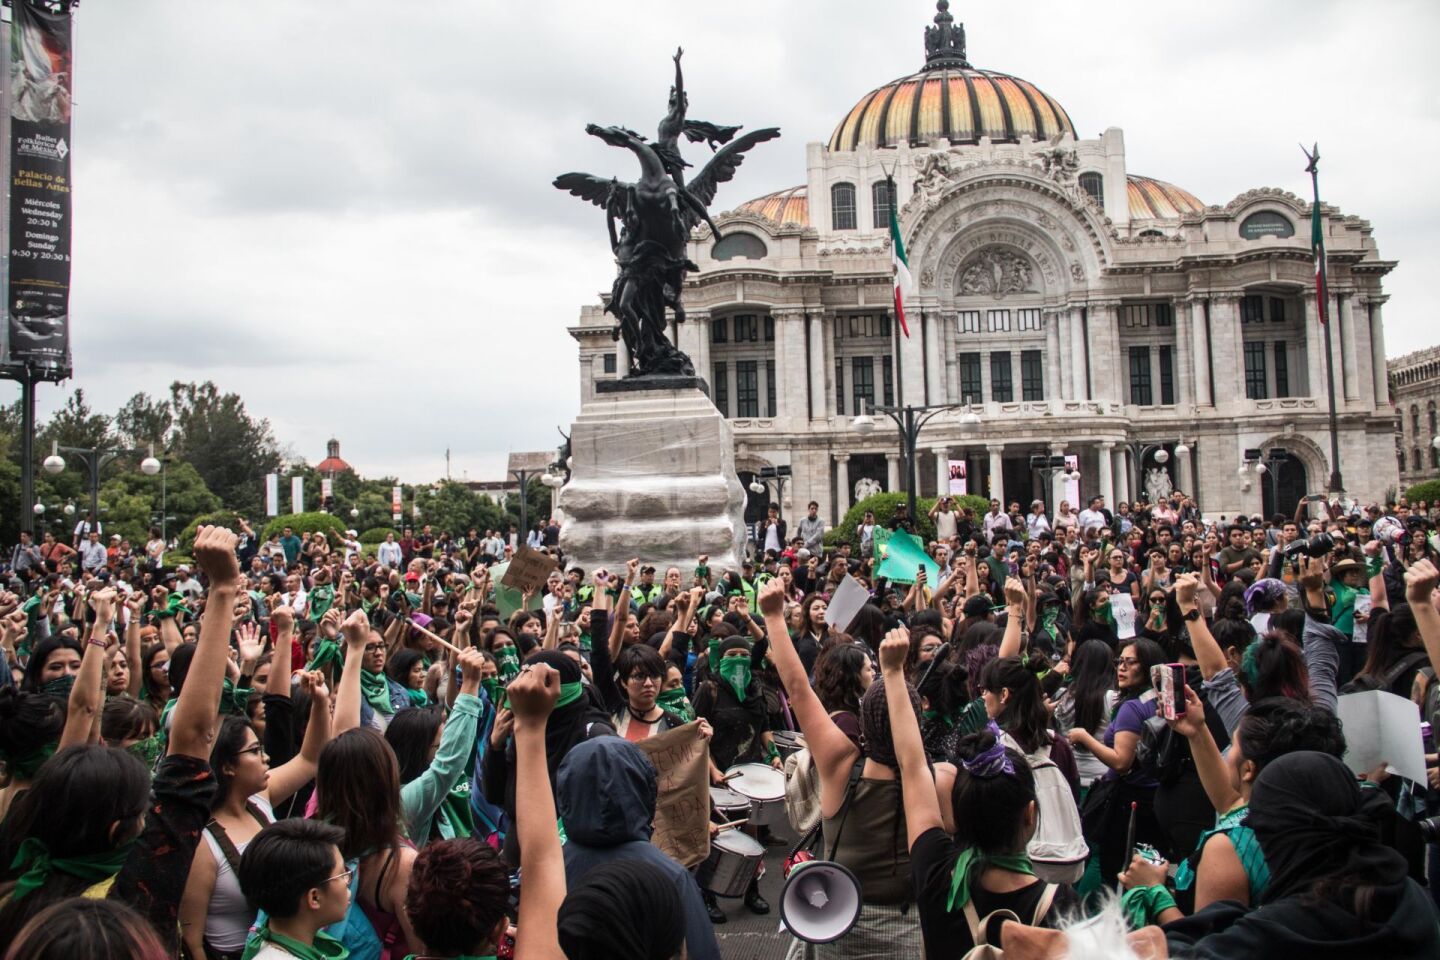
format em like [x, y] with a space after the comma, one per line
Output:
[1316, 546]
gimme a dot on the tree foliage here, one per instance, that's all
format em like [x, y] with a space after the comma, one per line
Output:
[230, 450]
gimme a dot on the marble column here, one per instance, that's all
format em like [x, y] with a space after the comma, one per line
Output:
[1188, 473]
[912, 367]
[790, 375]
[1200, 355]
[1184, 365]
[842, 485]
[1227, 350]
[934, 359]
[1345, 326]
[1379, 372]
[699, 322]
[1122, 476]
[1104, 469]
[1064, 360]
[1360, 329]
[942, 470]
[892, 473]
[827, 367]
[997, 473]
[1314, 350]
[1051, 360]
[622, 359]
[949, 325]
[815, 359]
[1079, 356]
[1102, 347]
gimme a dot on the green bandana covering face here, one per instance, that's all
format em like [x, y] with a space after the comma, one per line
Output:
[376, 691]
[59, 687]
[569, 693]
[736, 672]
[674, 701]
[971, 864]
[149, 749]
[508, 660]
[35, 857]
[494, 689]
[25, 766]
[326, 947]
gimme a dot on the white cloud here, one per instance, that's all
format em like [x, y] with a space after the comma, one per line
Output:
[343, 210]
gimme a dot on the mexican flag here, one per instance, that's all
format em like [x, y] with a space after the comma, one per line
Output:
[902, 266]
[1317, 247]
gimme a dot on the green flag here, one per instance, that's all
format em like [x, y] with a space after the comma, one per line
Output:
[901, 557]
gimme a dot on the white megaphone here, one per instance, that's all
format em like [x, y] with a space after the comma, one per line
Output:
[821, 901]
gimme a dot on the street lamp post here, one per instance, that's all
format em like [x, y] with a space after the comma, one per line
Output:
[911, 419]
[1048, 465]
[1266, 463]
[95, 460]
[525, 475]
[1155, 450]
[776, 475]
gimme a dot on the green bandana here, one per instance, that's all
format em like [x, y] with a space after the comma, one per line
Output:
[455, 811]
[971, 864]
[59, 687]
[569, 693]
[234, 700]
[376, 691]
[674, 701]
[149, 749]
[319, 600]
[35, 857]
[712, 654]
[418, 698]
[494, 690]
[327, 652]
[736, 672]
[509, 662]
[1142, 906]
[25, 766]
[932, 715]
[1249, 666]
[326, 947]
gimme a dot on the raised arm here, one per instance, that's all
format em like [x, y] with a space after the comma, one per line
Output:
[1207, 652]
[532, 696]
[833, 752]
[917, 783]
[1214, 772]
[1420, 582]
[1014, 617]
[135, 613]
[1379, 596]
[356, 630]
[87, 695]
[192, 725]
[300, 770]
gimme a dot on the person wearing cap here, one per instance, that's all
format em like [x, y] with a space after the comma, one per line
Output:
[647, 590]
[186, 584]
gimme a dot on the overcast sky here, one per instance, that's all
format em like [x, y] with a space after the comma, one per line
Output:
[342, 210]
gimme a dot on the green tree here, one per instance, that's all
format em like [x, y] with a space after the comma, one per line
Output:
[230, 450]
[74, 425]
[133, 501]
[143, 421]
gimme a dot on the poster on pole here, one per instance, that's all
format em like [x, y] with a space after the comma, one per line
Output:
[1072, 487]
[957, 478]
[297, 494]
[38, 320]
[272, 494]
[395, 508]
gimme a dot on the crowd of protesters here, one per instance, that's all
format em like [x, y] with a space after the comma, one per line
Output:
[307, 748]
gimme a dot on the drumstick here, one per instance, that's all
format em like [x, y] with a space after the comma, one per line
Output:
[437, 638]
[731, 824]
[732, 776]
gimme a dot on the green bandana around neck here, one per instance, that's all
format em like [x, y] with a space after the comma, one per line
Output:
[674, 701]
[569, 693]
[418, 698]
[376, 690]
[508, 660]
[25, 766]
[971, 863]
[326, 947]
[736, 672]
[35, 857]
[59, 687]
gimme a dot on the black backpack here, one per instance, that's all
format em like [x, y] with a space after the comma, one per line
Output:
[1403, 667]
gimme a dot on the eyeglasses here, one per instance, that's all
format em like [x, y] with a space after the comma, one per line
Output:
[347, 874]
[1127, 662]
[256, 749]
[374, 647]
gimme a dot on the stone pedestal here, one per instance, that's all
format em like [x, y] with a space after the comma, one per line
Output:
[652, 476]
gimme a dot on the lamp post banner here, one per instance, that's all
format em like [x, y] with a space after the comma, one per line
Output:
[40, 87]
[957, 478]
[1072, 487]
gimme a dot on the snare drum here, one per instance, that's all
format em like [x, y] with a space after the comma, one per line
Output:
[764, 787]
[788, 742]
[729, 804]
[734, 858]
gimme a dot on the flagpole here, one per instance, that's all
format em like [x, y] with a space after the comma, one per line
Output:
[1322, 298]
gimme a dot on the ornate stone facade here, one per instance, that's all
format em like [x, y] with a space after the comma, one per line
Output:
[1415, 389]
[1075, 307]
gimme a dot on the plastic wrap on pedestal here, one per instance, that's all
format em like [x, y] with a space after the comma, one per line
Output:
[652, 476]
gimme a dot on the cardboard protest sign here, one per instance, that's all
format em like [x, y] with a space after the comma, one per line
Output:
[510, 599]
[682, 807]
[528, 570]
[1123, 607]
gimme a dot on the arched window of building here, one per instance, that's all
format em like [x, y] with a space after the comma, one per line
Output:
[1093, 184]
[1152, 233]
[1414, 419]
[1433, 428]
[842, 206]
[881, 200]
[741, 246]
[1415, 459]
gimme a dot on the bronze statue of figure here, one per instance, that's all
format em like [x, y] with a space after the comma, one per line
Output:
[655, 215]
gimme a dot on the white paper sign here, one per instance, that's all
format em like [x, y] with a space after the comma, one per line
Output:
[1382, 728]
[1123, 607]
[1362, 618]
[849, 597]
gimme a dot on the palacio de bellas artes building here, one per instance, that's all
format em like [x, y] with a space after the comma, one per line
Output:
[1063, 304]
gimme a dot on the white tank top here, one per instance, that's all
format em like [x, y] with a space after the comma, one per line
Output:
[227, 922]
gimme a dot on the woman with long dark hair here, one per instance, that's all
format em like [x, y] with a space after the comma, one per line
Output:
[84, 927]
[842, 675]
[155, 676]
[408, 669]
[813, 630]
[214, 915]
[1087, 701]
[53, 665]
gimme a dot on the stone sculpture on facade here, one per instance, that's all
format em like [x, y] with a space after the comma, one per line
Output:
[655, 216]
